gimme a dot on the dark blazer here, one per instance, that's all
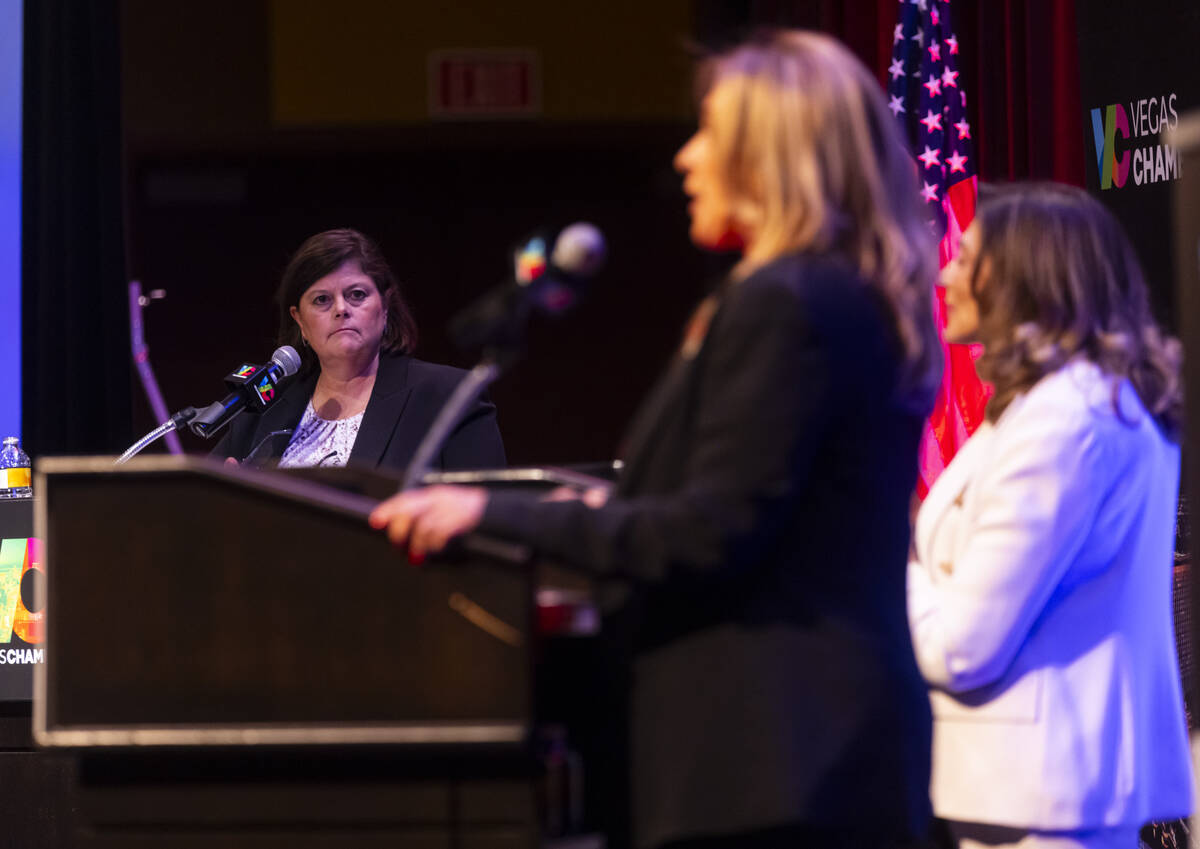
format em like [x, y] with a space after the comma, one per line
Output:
[756, 550]
[407, 396]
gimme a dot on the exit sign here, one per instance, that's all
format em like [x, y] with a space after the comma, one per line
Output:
[484, 84]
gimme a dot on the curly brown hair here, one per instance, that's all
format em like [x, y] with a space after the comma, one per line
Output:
[1056, 278]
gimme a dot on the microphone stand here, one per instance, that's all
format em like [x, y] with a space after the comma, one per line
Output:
[141, 358]
[468, 391]
[497, 321]
[473, 384]
[169, 426]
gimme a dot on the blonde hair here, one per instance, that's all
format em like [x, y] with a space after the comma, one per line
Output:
[813, 160]
[1056, 278]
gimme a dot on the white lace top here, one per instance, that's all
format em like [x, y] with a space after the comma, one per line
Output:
[321, 442]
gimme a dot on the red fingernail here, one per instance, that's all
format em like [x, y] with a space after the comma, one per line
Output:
[415, 558]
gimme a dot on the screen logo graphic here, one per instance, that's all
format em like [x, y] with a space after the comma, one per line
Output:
[21, 586]
[265, 389]
[1126, 142]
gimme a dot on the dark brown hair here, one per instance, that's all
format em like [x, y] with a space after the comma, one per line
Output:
[1057, 278]
[325, 253]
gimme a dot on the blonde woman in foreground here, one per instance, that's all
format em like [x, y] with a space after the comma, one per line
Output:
[754, 550]
[1040, 595]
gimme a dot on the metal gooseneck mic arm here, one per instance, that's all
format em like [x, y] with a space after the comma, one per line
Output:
[169, 426]
[254, 388]
[465, 394]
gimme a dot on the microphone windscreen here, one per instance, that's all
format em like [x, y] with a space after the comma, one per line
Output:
[579, 250]
[287, 358]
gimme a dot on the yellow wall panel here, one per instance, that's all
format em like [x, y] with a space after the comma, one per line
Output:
[366, 61]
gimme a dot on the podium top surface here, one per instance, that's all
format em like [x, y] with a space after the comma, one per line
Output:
[288, 484]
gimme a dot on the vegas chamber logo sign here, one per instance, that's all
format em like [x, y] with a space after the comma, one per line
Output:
[1127, 142]
[21, 628]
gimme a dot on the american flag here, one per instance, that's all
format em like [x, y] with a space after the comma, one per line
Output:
[925, 95]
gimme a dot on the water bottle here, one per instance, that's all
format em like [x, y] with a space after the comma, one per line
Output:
[14, 470]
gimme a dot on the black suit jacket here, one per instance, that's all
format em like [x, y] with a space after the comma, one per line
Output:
[757, 546]
[407, 396]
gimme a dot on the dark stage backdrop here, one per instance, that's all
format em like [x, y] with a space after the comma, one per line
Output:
[1139, 74]
[218, 194]
[447, 212]
[75, 372]
[224, 183]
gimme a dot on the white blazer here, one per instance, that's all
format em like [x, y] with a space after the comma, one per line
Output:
[1040, 604]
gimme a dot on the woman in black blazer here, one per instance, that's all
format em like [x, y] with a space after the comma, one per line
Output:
[754, 550]
[360, 398]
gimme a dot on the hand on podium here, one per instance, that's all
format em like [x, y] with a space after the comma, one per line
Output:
[425, 520]
[593, 496]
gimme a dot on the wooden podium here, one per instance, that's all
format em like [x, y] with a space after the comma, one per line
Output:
[236, 660]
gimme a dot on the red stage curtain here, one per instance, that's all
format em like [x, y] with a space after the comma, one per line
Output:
[1019, 62]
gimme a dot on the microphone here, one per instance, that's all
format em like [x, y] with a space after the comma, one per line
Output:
[547, 285]
[252, 387]
[579, 253]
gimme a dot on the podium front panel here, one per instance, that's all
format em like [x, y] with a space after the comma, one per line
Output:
[194, 604]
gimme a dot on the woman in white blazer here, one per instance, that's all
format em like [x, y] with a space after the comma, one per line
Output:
[1040, 582]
